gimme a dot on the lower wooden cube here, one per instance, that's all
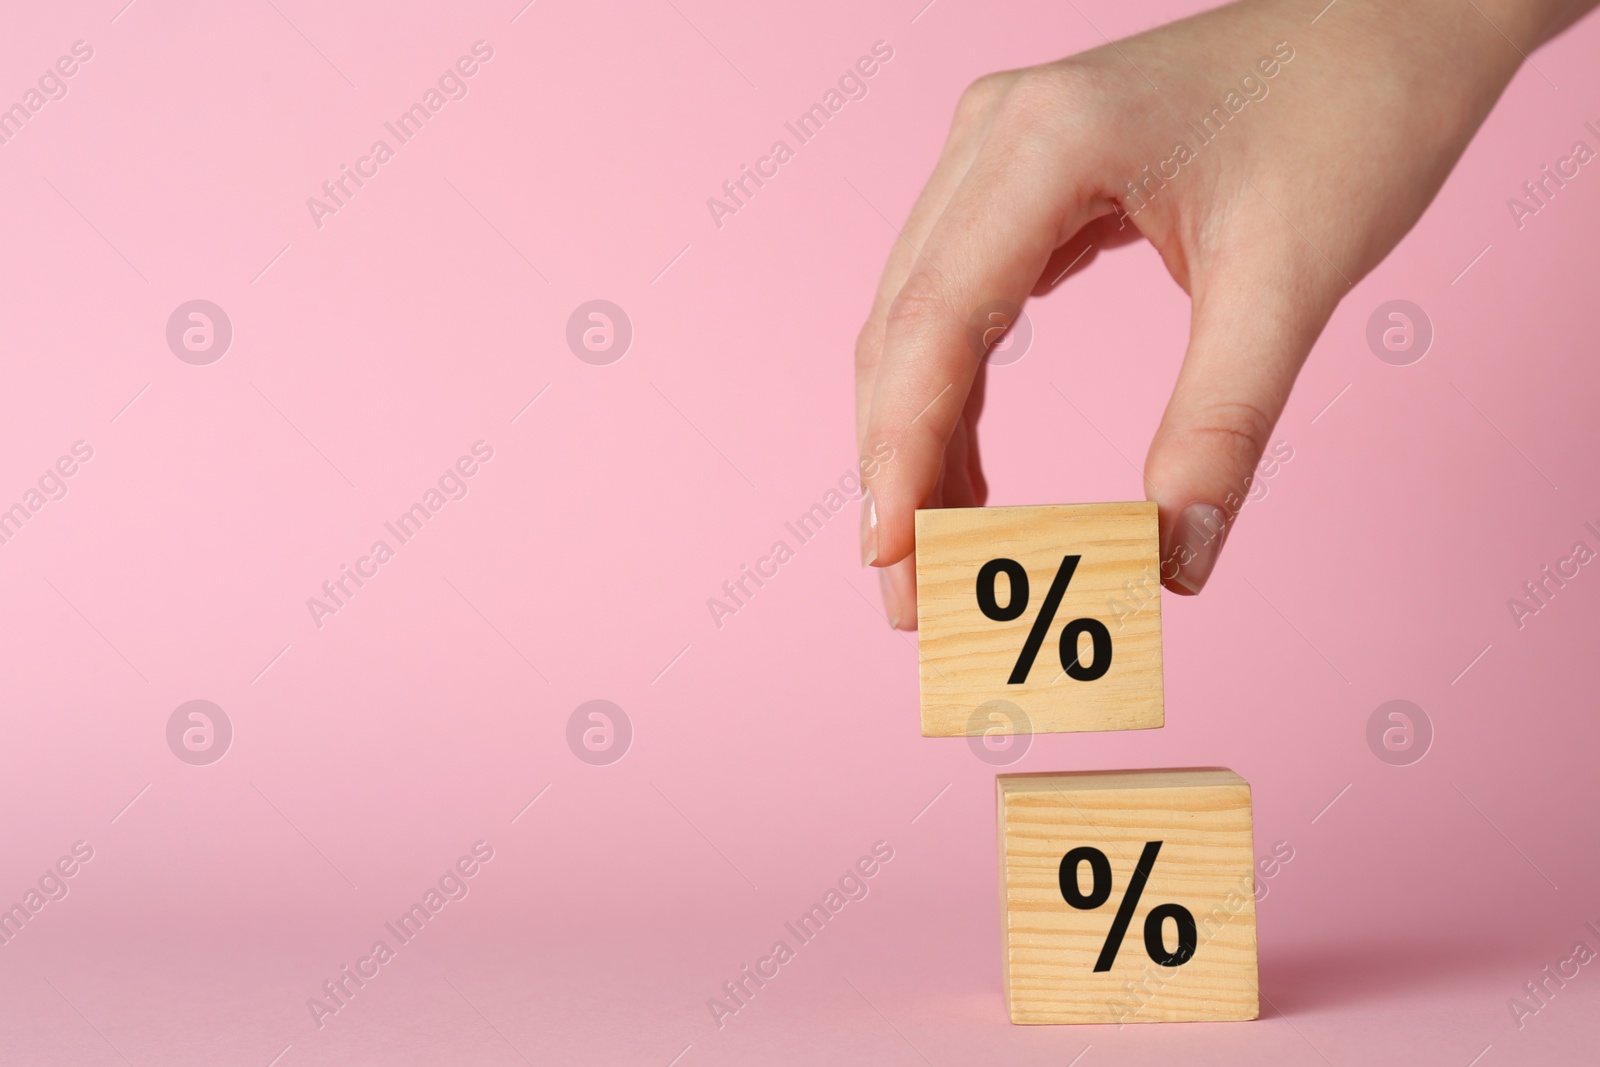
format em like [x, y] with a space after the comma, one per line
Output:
[1127, 896]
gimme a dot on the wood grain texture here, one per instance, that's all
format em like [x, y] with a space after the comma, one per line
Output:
[967, 658]
[1202, 817]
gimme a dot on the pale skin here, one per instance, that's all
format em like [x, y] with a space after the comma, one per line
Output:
[1266, 228]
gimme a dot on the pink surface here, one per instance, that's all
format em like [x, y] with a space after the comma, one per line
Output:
[767, 753]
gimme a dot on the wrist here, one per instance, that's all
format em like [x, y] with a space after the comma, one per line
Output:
[1527, 24]
[1448, 58]
[1502, 32]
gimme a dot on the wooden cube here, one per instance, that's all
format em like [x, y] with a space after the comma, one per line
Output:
[1039, 619]
[1072, 849]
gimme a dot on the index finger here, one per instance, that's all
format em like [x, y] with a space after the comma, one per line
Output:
[1030, 188]
[972, 115]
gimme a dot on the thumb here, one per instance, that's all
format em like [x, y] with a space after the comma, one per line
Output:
[1253, 324]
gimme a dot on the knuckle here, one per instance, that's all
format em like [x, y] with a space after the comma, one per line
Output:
[979, 98]
[1055, 93]
[919, 306]
[1032, 98]
[1237, 432]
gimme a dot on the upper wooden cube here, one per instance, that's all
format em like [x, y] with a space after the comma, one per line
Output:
[1039, 619]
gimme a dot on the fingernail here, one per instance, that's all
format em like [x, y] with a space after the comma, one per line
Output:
[869, 529]
[891, 600]
[1196, 541]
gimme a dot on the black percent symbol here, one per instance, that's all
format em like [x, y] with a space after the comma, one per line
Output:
[1100, 892]
[1018, 603]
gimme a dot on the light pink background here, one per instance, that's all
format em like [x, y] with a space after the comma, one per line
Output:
[770, 753]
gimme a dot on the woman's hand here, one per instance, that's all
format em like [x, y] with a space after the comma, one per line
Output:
[1272, 161]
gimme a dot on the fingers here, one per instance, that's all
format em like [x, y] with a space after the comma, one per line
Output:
[961, 485]
[898, 582]
[1255, 319]
[898, 585]
[1028, 188]
[956, 489]
[966, 135]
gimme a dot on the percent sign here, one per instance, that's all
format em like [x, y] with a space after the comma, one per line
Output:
[1100, 891]
[1018, 603]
